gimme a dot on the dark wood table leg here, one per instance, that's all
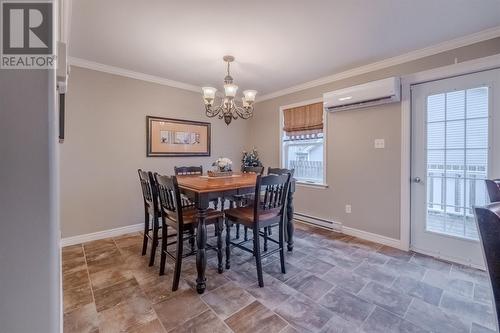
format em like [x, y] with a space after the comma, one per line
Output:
[289, 217]
[201, 242]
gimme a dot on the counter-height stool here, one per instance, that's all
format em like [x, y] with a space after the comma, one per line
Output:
[242, 200]
[151, 213]
[268, 208]
[277, 171]
[184, 221]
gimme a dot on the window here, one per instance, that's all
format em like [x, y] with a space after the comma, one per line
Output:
[302, 139]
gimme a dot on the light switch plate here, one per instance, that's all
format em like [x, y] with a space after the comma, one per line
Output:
[379, 143]
[348, 209]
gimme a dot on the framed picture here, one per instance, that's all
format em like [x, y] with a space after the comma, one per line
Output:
[177, 137]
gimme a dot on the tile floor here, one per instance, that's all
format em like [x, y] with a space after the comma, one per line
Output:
[334, 283]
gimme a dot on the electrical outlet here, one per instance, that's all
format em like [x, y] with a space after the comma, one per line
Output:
[379, 143]
[348, 209]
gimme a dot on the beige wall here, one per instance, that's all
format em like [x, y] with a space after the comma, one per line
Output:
[106, 144]
[357, 174]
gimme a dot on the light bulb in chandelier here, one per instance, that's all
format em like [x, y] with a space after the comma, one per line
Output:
[209, 95]
[230, 90]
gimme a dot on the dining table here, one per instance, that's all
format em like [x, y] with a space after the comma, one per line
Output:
[201, 189]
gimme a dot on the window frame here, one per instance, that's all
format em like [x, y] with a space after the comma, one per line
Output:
[324, 184]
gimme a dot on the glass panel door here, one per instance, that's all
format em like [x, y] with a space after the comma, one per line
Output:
[454, 148]
[457, 160]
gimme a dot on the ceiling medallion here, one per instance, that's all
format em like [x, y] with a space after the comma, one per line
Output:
[228, 108]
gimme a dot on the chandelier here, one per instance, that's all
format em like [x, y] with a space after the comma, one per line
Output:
[228, 108]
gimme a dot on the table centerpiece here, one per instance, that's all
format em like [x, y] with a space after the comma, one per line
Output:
[222, 167]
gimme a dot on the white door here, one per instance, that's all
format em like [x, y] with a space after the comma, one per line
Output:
[454, 148]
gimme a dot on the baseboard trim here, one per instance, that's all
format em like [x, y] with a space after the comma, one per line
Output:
[324, 223]
[384, 240]
[101, 234]
[338, 227]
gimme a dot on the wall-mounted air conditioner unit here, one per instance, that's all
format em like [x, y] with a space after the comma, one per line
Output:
[363, 95]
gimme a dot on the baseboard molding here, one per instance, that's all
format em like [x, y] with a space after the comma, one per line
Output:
[384, 240]
[324, 223]
[338, 227]
[101, 234]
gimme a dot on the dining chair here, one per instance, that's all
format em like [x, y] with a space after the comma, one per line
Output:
[184, 221]
[240, 200]
[280, 171]
[188, 170]
[277, 171]
[493, 187]
[253, 169]
[151, 213]
[268, 207]
[192, 170]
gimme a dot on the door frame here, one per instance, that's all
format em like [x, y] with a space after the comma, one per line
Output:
[457, 69]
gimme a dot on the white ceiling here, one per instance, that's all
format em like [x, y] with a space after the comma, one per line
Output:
[277, 44]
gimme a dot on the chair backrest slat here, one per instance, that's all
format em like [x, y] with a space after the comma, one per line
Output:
[170, 197]
[280, 171]
[148, 186]
[271, 192]
[188, 170]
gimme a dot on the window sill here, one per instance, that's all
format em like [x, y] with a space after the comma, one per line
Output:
[311, 185]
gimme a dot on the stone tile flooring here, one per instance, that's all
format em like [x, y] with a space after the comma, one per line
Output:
[334, 283]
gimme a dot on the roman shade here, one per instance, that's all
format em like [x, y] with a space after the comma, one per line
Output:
[303, 120]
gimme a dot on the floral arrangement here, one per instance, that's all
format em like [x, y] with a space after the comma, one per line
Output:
[251, 158]
[223, 164]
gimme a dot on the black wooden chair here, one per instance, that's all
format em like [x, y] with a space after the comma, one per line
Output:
[493, 187]
[184, 221]
[488, 224]
[280, 171]
[253, 169]
[242, 200]
[188, 170]
[277, 171]
[152, 213]
[192, 170]
[268, 208]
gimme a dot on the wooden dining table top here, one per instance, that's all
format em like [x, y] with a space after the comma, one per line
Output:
[203, 184]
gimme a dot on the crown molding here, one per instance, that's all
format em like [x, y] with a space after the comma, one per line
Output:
[131, 74]
[389, 62]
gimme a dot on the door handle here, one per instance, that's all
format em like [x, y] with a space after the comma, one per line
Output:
[417, 180]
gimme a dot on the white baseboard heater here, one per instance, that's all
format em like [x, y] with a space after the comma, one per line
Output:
[335, 226]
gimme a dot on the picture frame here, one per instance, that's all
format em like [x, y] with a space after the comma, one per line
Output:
[168, 137]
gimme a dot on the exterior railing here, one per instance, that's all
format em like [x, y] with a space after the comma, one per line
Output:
[307, 170]
[454, 191]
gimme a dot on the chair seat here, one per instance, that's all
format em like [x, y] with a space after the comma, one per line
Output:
[190, 217]
[244, 215]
